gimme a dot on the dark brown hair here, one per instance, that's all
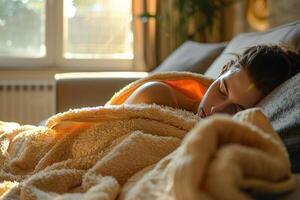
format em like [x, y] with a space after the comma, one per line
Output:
[267, 65]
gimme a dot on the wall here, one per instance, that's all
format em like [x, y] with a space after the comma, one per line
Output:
[283, 11]
[279, 12]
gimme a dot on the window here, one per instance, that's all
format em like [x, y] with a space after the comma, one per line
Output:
[66, 33]
[20, 39]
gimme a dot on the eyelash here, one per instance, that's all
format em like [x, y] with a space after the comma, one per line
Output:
[220, 91]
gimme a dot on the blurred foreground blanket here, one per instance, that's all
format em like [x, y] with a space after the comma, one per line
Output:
[134, 152]
[142, 152]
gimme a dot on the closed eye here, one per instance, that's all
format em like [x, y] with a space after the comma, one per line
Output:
[222, 88]
[221, 92]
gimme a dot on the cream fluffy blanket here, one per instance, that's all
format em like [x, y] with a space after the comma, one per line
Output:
[134, 152]
[142, 152]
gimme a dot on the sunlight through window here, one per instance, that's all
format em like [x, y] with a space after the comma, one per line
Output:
[22, 28]
[96, 29]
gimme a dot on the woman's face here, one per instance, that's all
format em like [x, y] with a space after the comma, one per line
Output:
[231, 92]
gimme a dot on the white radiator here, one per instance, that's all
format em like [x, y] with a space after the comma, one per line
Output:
[26, 101]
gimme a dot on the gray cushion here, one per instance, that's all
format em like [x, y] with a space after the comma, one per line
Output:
[288, 34]
[191, 56]
[282, 107]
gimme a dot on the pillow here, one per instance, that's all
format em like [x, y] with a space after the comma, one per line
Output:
[288, 34]
[191, 56]
[282, 107]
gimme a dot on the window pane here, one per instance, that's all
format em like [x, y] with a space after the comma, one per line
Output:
[98, 29]
[22, 28]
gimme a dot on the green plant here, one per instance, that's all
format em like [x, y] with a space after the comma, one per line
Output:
[207, 10]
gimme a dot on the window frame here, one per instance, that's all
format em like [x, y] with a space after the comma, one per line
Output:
[54, 49]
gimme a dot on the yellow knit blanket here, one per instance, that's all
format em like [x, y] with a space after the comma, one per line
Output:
[142, 152]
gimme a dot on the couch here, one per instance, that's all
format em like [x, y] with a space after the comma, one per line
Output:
[281, 106]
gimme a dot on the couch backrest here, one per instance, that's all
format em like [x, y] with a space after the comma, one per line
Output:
[288, 35]
[192, 56]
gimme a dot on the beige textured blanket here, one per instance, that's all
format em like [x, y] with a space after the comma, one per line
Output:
[142, 152]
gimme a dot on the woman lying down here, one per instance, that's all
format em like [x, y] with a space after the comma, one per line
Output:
[241, 84]
[146, 152]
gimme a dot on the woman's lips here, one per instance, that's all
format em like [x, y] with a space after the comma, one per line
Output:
[202, 113]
